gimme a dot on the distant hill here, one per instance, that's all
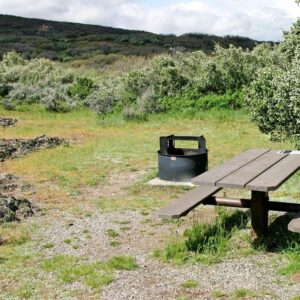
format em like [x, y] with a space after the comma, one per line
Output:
[66, 41]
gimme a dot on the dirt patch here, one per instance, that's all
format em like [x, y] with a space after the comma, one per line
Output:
[296, 277]
[13, 209]
[115, 186]
[6, 122]
[12, 148]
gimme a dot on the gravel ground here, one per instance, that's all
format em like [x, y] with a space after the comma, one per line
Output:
[138, 236]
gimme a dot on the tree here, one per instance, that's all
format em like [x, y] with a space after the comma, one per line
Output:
[274, 96]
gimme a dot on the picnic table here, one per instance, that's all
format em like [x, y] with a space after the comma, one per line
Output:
[257, 170]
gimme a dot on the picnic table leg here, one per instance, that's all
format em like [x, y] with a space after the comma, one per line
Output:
[259, 213]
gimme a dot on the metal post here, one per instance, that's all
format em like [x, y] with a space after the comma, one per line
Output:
[259, 213]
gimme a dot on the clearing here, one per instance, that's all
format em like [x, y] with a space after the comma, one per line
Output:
[95, 234]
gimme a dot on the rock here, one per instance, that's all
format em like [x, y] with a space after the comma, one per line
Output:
[13, 209]
[17, 147]
[10, 185]
[6, 122]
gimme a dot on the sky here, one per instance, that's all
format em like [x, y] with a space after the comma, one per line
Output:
[257, 19]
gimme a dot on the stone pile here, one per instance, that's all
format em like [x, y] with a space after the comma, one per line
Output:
[12, 148]
[13, 209]
[6, 122]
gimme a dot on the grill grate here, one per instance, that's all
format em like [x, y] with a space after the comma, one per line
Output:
[183, 151]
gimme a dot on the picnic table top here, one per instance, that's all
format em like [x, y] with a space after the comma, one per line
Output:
[256, 169]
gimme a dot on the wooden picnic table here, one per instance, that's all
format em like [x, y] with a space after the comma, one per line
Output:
[258, 170]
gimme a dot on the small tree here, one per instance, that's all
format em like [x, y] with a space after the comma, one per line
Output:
[274, 96]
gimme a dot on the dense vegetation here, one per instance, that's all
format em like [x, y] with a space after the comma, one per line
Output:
[68, 41]
[274, 96]
[264, 79]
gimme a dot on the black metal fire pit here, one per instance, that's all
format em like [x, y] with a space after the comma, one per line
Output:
[181, 164]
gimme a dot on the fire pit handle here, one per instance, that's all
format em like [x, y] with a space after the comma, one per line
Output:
[167, 142]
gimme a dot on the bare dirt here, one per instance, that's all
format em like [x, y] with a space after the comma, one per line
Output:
[115, 186]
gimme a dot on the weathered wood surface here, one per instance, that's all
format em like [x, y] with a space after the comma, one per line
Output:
[294, 225]
[240, 178]
[186, 202]
[212, 176]
[273, 178]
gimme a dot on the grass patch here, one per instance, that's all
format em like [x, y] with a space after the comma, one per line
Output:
[122, 263]
[190, 283]
[112, 233]
[48, 245]
[70, 269]
[68, 241]
[206, 243]
[292, 262]
[228, 236]
[114, 243]
[125, 228]
[219, 294]
[14, 234]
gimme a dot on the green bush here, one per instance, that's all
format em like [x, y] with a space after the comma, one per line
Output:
[82, 87]
[273, 97]
[193, 101]
[106, 96]
[35, 81]
[166, 78]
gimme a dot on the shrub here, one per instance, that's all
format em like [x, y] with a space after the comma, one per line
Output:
[35, 81]
[273, 97]
[291, 43]
[82, 87]
[106, 96]
[191, 100]
[166, 78]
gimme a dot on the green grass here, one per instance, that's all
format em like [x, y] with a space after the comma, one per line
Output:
[114, 243]
[68, 241]
[292, 262]
[219, 294]
[112, 146]
[190, 283]
[229, 236]
[102, 147]
[207, 243]
[122, 263]
[48, 245]
[112, 233]
[70, 269]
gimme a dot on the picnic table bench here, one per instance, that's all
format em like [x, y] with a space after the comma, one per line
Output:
[258, 170]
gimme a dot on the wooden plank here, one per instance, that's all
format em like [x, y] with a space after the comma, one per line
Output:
[186, 202]
[294, 225]
[271, 179]
[247, 173]
[212, 176]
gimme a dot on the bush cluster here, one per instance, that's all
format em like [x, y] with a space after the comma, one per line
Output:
[40, 81]
[273, 97]
[266, 79]
[185, 81]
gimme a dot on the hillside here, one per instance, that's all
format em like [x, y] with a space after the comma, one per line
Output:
[65, 41]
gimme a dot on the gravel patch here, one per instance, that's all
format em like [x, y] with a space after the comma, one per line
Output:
[138, 235]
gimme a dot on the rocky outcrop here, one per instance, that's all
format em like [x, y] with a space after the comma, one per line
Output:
[12, 148]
